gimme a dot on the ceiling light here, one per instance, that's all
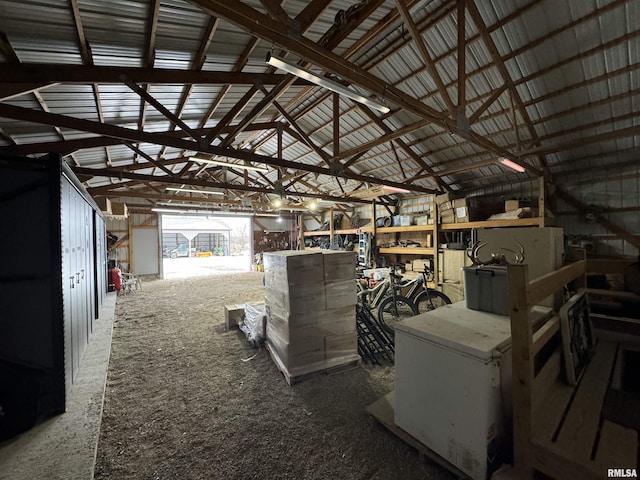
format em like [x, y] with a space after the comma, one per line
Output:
[277, 202]
[512, 165]
[313, 205]
[205, 192]
[169, 210]
[228, 164]
[324, 82]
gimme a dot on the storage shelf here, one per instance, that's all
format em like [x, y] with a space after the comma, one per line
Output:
[350, 231]
[519, 222]
[408, 250]
[410, 228]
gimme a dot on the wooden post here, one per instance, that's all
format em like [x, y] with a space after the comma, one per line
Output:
[522, 369]
[542, 215]
[436, 245]
[301, 232]
[130, 245]
[330, 226]
[374, 240]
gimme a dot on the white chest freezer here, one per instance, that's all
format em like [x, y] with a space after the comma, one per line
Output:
[452, 383]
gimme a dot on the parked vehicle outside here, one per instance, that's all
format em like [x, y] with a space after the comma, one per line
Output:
[182, 250]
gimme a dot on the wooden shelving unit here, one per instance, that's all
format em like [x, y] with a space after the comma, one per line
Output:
[408, 250]
[519, 222]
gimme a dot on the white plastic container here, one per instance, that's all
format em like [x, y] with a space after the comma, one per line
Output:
[486, 289]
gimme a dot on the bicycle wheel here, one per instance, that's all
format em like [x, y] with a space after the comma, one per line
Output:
[430, 300]
[392, 310]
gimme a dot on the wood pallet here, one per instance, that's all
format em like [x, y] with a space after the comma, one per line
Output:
[329, 367]
[383, 410]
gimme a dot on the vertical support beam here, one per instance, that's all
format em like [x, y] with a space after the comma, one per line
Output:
[522, 367]
[374, 234]
[436, 244]
[301, 232]
[130, 242]
[280, 150]
[542, 191]
[330, 226]
[336, 125]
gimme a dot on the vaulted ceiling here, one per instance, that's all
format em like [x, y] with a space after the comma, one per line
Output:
[129, 91]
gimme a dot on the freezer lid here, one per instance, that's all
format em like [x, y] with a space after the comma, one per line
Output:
[471, 332]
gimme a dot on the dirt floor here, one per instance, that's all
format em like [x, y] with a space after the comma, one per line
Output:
[184, 402]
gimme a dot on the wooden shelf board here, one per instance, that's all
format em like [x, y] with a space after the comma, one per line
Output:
[410, 228]
[519, 222]
[351, 231]
[408, 250]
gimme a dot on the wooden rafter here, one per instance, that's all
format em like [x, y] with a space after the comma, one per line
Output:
[60, 73]
[149, 59]
[197, 64]
[502, 68]
[11, 111]
[116, 173]
[462, 61]
[67, 147]
[606, 223]
[418, 40]
[169, 115]
[263, 26]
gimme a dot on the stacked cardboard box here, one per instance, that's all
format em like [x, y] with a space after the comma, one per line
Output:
[446, 213]
[458, 210]
[310, 299]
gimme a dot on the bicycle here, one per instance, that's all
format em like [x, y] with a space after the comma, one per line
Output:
[395, 307]
[425, 297]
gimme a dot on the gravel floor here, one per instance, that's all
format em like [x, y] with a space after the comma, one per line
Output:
[184, 402]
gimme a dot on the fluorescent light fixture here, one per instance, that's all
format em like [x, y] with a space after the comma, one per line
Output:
[228, 164]
[512, 165]
[324, 82]
[205, 192]
[170, 210]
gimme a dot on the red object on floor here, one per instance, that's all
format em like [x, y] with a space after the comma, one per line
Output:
[116, 280]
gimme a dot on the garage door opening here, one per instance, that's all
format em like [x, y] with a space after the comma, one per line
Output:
[198, 245]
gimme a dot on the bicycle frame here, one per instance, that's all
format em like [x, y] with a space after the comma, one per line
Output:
[373, 296]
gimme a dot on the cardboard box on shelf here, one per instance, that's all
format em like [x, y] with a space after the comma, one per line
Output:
[511, 205]
[459, 203]
[421, 219]
[446, 197]
[418, 265]
[428, 240]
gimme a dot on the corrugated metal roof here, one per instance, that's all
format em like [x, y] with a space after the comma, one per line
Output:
[576, 71]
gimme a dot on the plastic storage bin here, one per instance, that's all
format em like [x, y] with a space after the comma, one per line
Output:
[401, 220]
[486, 289]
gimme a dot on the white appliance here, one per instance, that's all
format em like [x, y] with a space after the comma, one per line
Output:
[453, 383]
